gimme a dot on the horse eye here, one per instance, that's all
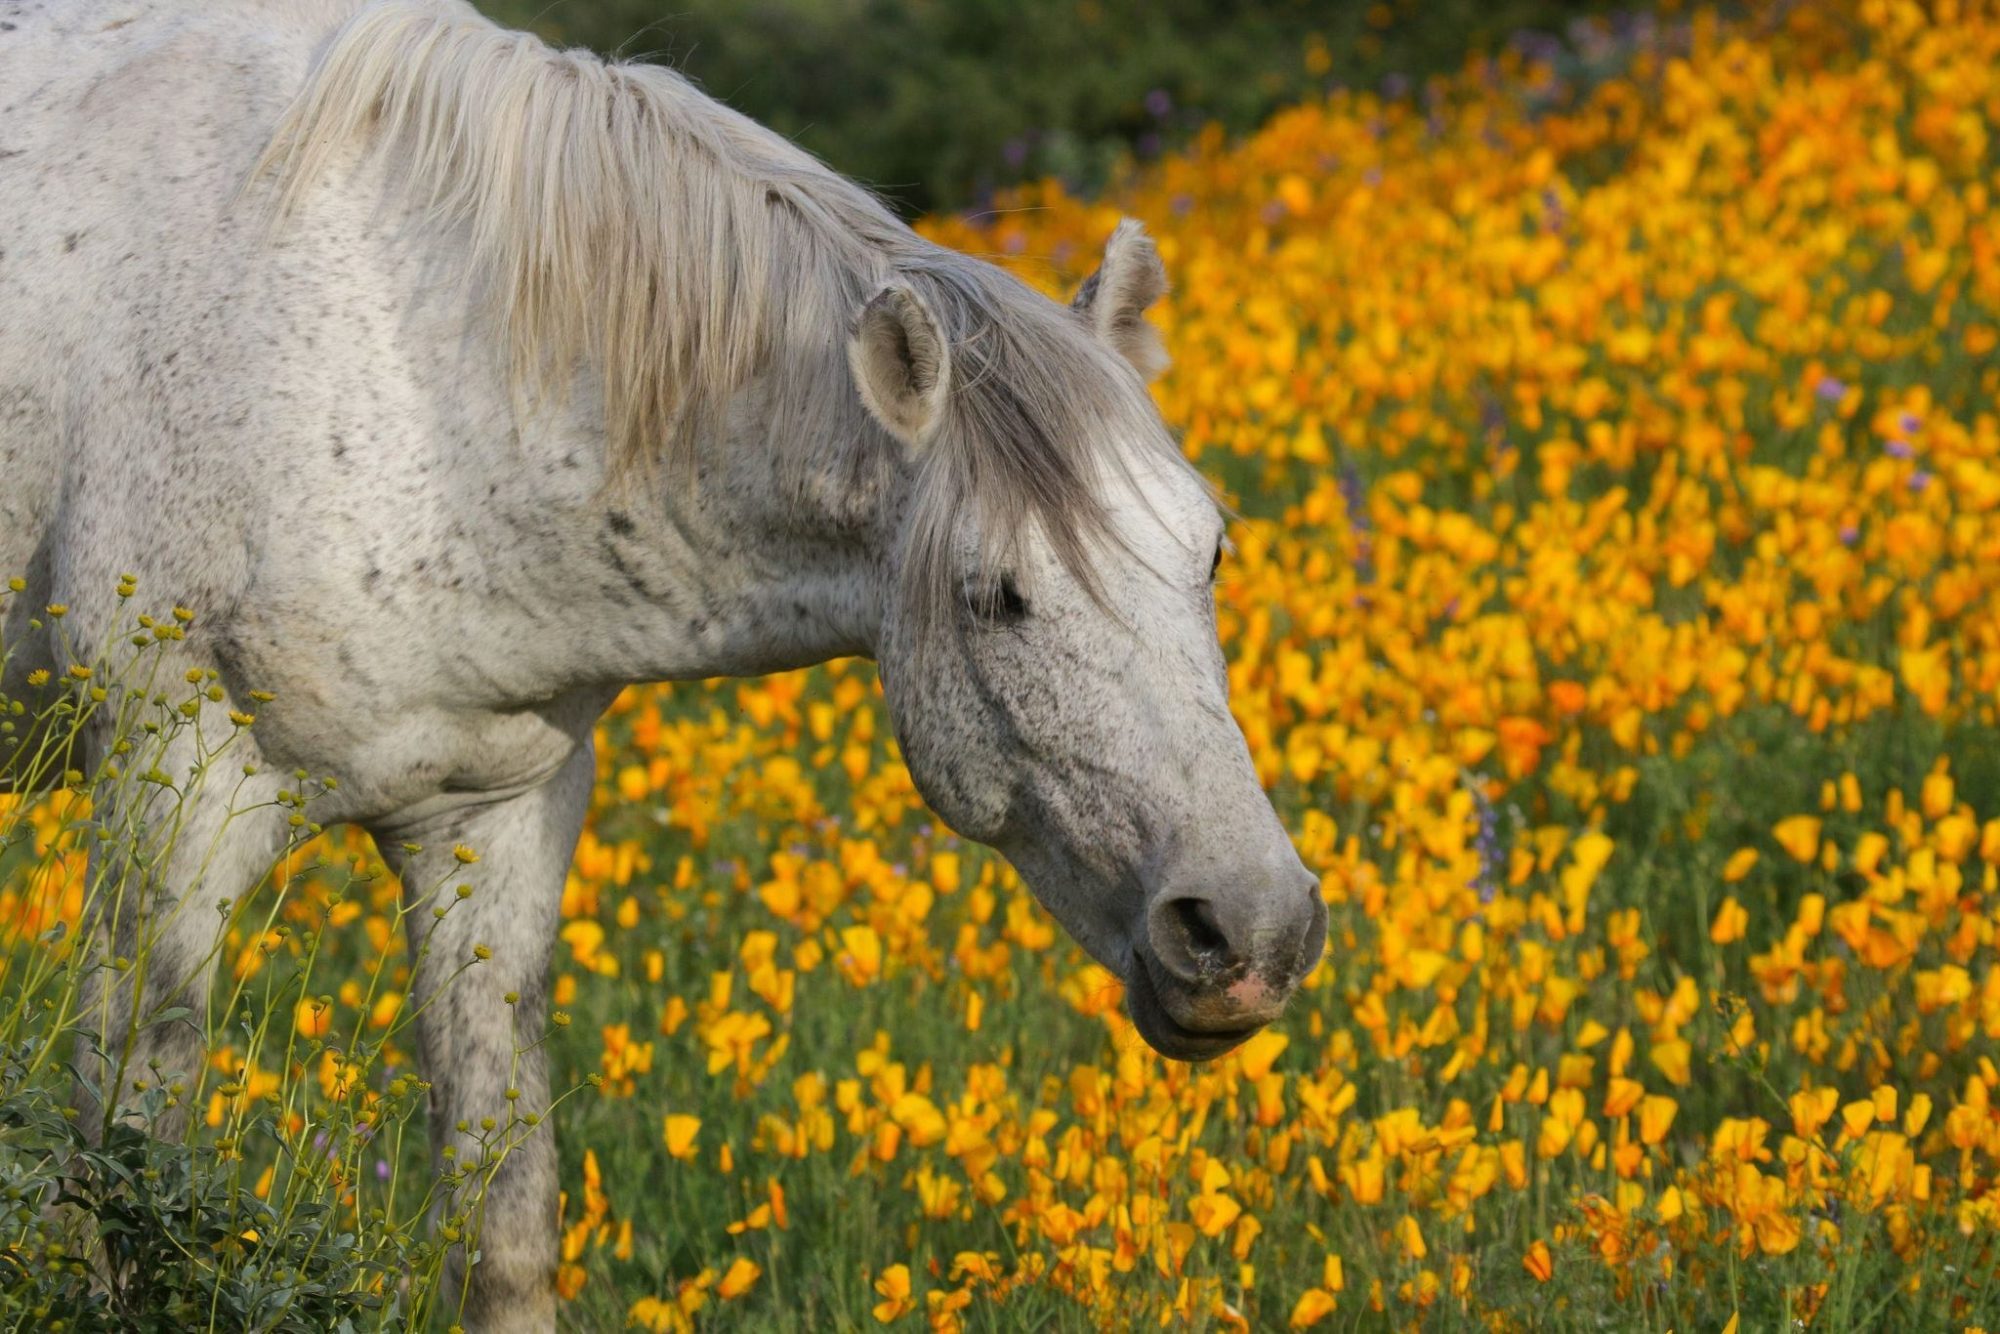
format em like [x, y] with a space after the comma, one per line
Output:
[996, 601]
[1215, 566]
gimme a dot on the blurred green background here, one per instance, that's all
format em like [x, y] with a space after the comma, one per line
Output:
[937, 103]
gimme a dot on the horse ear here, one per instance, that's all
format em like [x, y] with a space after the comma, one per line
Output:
[900, 363]
[1115, 298]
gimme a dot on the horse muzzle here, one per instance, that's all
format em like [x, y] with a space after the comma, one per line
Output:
[1213, 968]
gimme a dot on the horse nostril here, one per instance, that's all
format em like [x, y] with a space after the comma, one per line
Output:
[1198, 920]
[1313, 944]
[1195, 926]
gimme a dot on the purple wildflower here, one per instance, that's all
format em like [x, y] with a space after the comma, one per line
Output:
[1545, 47]
[1899, 449]
[1493, 420]
[1354, 495]
[1829, 389]
[1487, 882]
[1159, 103]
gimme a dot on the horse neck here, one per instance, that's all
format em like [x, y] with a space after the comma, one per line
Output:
[769, 557]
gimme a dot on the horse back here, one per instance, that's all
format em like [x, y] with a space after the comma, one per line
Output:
[125, 131]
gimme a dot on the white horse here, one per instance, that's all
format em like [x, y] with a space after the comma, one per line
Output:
[458, 382]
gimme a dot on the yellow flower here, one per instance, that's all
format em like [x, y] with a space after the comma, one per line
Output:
[313, 1018]
[1811, 1109]
[1937, 795]
[920, 1118]
[1256, 1055]
[1656, 1115]
[860, 960]
[1622, 1096]
[1673, 1058]
[1213, 1213]
[1799, 836]
[741, 1275]
[894, 1289]
[1730, 920]
[1313, 1306]
[681, 1132]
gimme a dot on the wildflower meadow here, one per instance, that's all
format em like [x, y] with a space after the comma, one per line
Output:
[1613, 610]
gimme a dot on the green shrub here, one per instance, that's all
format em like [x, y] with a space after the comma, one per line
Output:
[283, 1183]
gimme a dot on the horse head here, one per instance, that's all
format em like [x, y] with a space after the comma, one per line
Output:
[1050, 650]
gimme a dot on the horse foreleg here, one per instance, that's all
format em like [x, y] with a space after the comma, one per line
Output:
[479, 988]
[167, 856]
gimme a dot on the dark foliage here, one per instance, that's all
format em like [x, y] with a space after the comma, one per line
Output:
[939, 102]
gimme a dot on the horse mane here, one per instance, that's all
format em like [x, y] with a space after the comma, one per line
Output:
[626, 221]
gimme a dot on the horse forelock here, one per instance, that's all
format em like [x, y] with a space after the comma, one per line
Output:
[1042, 422]
[623, 220]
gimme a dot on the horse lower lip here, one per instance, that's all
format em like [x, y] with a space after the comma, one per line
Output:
[1168, 1035]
